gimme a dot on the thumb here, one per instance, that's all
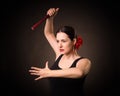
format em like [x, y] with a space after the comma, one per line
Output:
[57, 9]
[46, 65]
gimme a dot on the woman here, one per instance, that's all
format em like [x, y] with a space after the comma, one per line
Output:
[68, 73]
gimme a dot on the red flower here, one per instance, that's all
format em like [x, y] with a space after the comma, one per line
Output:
[79, 42]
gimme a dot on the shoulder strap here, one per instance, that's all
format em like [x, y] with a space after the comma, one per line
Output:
[75, 62]
[55, 65]
[58, 59]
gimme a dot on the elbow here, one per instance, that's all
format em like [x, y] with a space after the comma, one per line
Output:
[79, 74]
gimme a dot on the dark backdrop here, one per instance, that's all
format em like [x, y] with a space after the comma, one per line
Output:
[97, 23]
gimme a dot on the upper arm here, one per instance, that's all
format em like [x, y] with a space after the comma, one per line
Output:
[84, 65]
[53, 43]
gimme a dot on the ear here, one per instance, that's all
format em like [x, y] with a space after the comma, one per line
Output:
[74, 41]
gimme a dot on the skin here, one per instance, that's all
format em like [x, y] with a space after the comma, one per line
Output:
[61, 44]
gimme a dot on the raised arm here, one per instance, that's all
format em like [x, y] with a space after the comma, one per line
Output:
[49, 29]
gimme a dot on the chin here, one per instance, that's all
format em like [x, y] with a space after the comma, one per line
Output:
[62, 52]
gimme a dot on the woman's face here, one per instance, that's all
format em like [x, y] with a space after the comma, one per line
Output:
[64, 42]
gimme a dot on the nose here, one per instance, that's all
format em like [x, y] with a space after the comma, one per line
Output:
[60, 45]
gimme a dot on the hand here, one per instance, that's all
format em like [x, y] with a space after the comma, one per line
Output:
[52, 12]
[40, 72]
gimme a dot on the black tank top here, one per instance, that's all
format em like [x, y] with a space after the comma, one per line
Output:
[66, 86]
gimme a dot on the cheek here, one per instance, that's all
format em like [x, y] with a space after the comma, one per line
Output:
[68, 46]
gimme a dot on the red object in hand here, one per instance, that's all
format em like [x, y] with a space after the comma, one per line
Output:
[39, 22]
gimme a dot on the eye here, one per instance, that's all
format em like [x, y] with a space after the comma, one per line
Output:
[63, 40]
[57, 41]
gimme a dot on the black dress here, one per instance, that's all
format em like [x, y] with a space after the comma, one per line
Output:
[66, 86]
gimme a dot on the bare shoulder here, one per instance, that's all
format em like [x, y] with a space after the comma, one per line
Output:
[84, 64]
[84, 61]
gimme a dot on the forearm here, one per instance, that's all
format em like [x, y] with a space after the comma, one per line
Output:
[66, 73]
[48, 29]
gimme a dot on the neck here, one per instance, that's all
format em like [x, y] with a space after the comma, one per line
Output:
[73, 54]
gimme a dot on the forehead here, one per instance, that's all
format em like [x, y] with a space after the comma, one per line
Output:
[61, 35]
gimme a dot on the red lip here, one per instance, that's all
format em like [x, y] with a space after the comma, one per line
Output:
[61, 50]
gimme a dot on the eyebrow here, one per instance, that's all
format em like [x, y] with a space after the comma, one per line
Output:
[62, 39]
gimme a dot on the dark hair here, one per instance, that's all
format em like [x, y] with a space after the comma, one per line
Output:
[68, 30]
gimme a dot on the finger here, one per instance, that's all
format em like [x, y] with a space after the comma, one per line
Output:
[35, 68]
[38, 78]
[33, 71]
[37, 74]
[46, 66]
